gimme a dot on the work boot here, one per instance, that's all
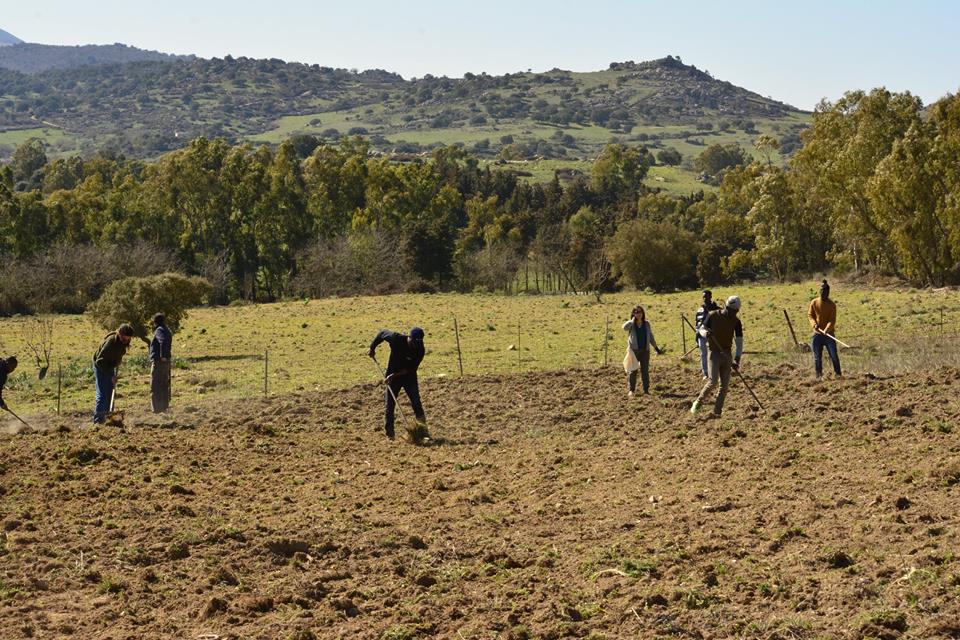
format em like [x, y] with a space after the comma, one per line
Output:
[695, 407]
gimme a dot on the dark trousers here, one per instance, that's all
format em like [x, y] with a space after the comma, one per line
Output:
[643, 356]
[409, 384]
[819, 342]
[160, 386]
[104, 382]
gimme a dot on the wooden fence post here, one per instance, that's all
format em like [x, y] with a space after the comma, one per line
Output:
[456, 330]
[266, 364]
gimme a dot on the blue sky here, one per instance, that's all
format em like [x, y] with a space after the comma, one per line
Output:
[798, 53]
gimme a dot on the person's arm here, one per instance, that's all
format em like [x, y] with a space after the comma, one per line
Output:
[3, 383]
[812, 315]
[167, 351]
[651, 339]
[831, 322]
[385, 334]
[628, 325]
[105, 357]
[705, 327]
[738, 339]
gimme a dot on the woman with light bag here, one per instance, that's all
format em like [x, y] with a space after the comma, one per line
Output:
[639, 342]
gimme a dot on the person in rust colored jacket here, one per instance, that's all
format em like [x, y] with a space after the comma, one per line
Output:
[823, 320]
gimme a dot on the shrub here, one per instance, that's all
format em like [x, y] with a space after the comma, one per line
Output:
[657, 255]
[135, 300]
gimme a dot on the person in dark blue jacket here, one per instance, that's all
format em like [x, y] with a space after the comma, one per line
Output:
[406, 354]
[160, 350]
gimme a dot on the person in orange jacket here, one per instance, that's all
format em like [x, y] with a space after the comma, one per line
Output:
[823, 319]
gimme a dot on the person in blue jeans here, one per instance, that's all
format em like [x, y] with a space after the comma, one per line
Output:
[702, 313]
[406, 354]
[822, 315]
[106, 361]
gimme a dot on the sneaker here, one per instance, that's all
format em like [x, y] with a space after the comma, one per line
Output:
[629, 394]
[695, 407]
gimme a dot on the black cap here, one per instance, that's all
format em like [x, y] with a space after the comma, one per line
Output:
[417, 334]
[707, 292]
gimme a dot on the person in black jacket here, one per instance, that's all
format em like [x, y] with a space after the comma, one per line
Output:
[160, 348]
[7, 366]
[406, 354]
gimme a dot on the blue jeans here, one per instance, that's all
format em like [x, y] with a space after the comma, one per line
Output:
[104, 380]
[409, 384]
[702, 343]
[819, 342]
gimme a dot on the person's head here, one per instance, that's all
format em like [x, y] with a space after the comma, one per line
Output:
[125, 333]
[707, 296]
[824, 290]
[733, 305]
[11, 363]
[639, 315]
[416, 336]
[159, 320]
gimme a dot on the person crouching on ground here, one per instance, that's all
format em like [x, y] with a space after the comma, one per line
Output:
[7, 366]
[720, 329]
[160, 350]
[823, 318]
[406, 354]
[106, 361]
[639, 340]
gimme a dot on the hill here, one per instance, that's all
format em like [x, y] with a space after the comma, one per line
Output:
[7, 39]
[146, 107]
[33, 58]
[545, 507]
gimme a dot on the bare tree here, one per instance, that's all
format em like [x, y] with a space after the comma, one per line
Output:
[38, 336]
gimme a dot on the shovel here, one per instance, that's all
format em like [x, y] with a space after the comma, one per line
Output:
[839, 342]
[406, 425]
[10, 411]
[736, 369]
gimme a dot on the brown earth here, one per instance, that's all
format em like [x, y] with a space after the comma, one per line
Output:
[547, 506]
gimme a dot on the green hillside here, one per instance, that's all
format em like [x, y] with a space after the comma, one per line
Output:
[146, 107]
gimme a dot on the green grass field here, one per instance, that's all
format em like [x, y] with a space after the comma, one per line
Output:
[321, 344]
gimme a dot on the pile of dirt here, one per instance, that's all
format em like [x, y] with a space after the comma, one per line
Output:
[545, 505]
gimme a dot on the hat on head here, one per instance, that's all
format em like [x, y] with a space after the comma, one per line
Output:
[707, 292]
[416, 334]
[733, 302]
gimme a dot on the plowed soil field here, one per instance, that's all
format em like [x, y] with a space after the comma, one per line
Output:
[546, 505]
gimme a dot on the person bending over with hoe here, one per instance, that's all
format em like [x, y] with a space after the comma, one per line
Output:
[406, 354]
[106, 361]
[823, 319]
[639, 340]
[7, 366]
[720, 329]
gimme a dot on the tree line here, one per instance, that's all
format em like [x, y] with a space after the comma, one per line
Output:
[874, 186]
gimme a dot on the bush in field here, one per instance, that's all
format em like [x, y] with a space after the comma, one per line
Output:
[718, 157]
[657, 255]
[135, 300]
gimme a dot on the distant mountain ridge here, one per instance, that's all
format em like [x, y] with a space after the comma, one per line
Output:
[33, 58]
[7, 38]
[144, 103]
